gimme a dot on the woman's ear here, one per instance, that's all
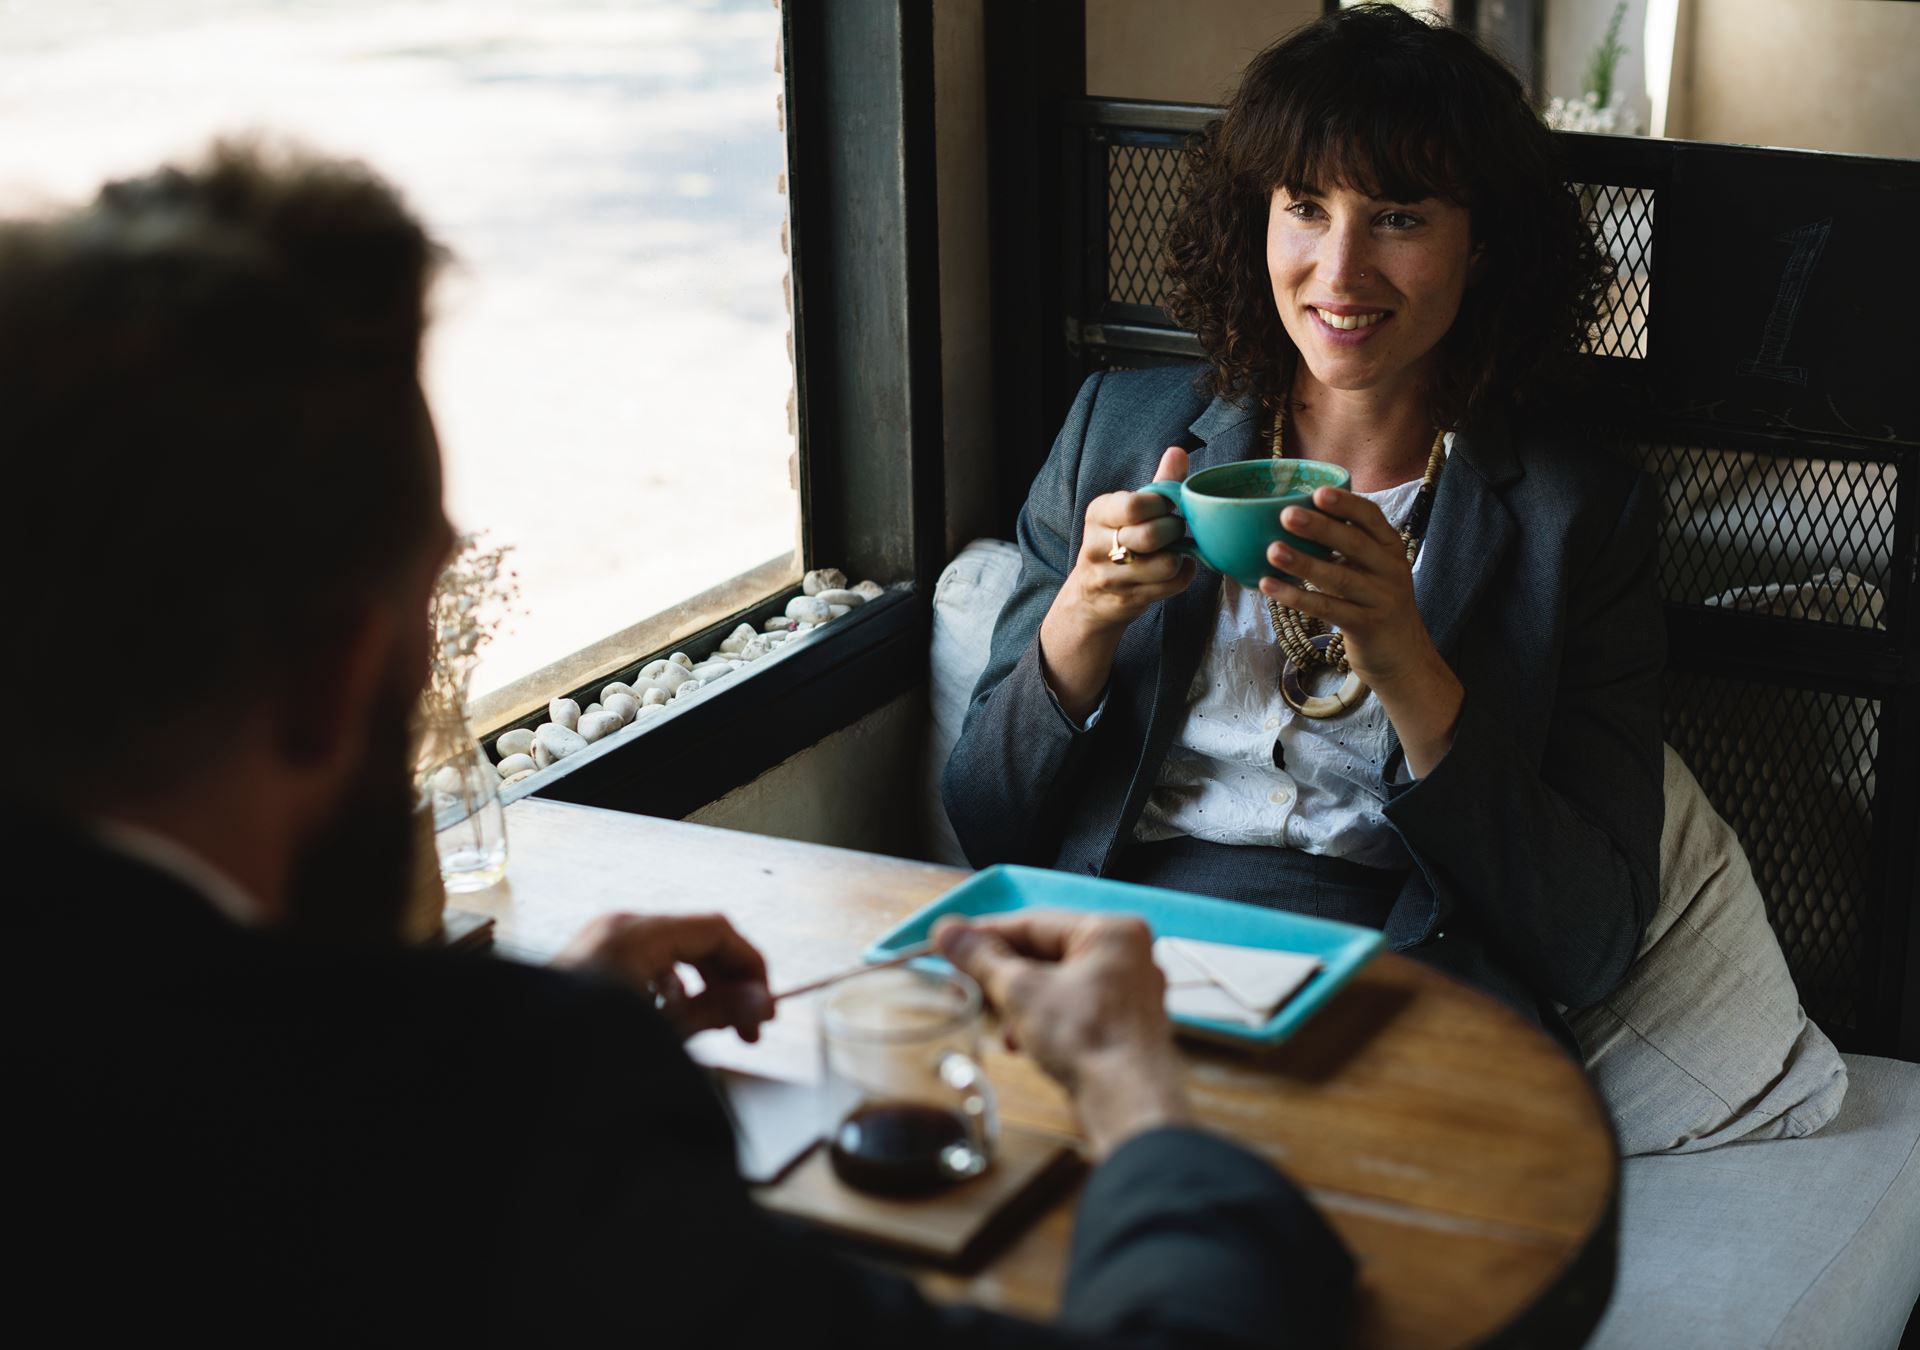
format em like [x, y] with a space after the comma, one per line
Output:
[1476, 264]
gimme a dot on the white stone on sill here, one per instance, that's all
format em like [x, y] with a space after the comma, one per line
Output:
[873, 590]
[807, 609]
[655, 697]
[597, 725]
[607, 691]
[682, 660]
[513, 764]
[849, 599]
[624, 706]
[564, 712]
[521, 776]
[519, 741]
[823, 579]
[779, 623]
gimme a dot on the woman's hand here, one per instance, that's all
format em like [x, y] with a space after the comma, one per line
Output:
[1366, 591]
[1101, 597]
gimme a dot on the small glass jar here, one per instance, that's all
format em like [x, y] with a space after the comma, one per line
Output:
[460, 786]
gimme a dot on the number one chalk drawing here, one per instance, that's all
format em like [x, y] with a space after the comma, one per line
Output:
[1771, 363]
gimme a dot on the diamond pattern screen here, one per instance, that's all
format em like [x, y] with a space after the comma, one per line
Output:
[1808, 539]
[1792, 771]
[1622, 220]
[1143, 192]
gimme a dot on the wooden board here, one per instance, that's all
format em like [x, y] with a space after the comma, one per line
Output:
[954, 1228]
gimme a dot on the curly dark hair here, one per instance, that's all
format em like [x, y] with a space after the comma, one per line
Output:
[1374, 99]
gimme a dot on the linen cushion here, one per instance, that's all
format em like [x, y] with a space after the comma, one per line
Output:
[1704, 1041]
[967, 600]
[1804, 1243]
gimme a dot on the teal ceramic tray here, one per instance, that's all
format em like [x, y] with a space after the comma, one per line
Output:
[1342, 948]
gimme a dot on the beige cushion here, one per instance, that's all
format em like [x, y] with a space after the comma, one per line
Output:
[1705, 1041]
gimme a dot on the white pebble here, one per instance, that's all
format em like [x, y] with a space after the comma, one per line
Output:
[514, 764]
[564, 712]
[738, 638]
[560, 741]
[617, 687]
[873, 590]
[543, 758]
[713, 670]
[661, 706]
[520, 777]
[851, 599]
[682, 660]
[780, 623]
[671, 678]
[806, 609]
[519, 741]
[651, 671]
[591, 707]
[690, 687]
[655, 697]
[624, 706]
[835, 611]
[762, 645]
[804, 627]
[594, 726]
[446, 781]
[823, 579]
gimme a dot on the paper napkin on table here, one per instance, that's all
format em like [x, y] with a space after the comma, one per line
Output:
[1223, 983]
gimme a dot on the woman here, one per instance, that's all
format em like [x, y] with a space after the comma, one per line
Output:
[1452, 733]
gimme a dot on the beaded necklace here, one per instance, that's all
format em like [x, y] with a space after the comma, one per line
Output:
[1313, 644]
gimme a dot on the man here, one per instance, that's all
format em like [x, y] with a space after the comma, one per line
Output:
[251, 1114]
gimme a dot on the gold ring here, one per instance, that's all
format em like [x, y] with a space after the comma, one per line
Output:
[1118, 553]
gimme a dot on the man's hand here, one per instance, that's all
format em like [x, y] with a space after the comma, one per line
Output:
[1081, 995]
[644, 949]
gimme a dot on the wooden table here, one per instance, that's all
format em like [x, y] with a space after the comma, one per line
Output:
[1464, 1159]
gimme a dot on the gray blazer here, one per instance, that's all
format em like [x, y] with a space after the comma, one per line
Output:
[1536, 839]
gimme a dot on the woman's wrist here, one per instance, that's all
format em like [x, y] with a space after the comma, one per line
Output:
[1076, 654]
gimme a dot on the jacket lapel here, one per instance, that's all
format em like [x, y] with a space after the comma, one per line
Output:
[1468, 533]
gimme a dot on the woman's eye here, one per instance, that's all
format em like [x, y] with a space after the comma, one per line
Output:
[1399, 220]
[1303, 210]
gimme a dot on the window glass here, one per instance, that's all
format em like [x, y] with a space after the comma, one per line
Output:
[609, 361]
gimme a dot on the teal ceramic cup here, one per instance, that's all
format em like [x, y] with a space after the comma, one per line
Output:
[1233, 512]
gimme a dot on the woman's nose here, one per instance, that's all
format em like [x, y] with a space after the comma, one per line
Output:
[1345, 258]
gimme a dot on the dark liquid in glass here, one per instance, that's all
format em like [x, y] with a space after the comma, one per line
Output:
[895, 1148]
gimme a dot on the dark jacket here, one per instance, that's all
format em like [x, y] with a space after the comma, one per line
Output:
[1536, 840]
[236, 1138]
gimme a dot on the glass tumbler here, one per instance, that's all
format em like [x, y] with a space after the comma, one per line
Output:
[910, 1110]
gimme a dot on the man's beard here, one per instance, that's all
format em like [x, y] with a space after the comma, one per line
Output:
[350, 880]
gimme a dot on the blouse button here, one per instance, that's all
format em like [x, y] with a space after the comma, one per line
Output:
[1281, 796]
[1273, 724]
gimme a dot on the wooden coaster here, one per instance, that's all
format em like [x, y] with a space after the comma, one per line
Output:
[461, 930]
[957, 1227]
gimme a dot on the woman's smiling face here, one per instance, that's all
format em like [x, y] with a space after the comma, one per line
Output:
[1366, 287]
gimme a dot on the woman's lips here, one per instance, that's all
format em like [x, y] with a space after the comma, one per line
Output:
[1348, 330]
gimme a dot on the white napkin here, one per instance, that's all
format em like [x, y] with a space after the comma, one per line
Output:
[1229, 984]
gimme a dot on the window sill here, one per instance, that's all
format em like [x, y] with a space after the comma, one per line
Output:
[699, 748]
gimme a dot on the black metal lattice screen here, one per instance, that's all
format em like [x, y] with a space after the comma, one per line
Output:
[1143, 192]
[1777, 534]
[1792, 771]
[1622, 220]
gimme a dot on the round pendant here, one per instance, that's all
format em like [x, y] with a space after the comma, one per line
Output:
[1351, 693]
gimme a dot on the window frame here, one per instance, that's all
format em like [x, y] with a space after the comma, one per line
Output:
[864, 258]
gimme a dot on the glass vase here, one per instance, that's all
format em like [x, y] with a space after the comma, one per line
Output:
[460, 786]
